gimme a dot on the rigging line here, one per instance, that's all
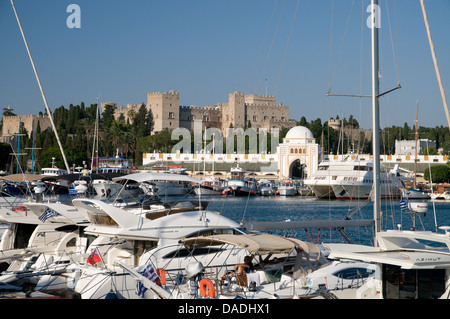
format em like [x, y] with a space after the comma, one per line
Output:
[396, 36]
[287, 45]
[262, 45]
[342, 43]
[271, 46]
[361, 68]
[395, 58]
[41, 89]
[329, 50]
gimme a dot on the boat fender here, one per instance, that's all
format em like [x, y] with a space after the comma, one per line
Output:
[207, 288]
[162, 275]
[20, 209]
[111, 295]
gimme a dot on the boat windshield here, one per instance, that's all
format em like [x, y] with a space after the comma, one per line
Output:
[218, 231]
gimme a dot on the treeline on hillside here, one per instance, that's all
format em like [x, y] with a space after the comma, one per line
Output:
[76, 128]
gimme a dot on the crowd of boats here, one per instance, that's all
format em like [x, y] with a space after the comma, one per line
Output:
[106, 240]
[121, 236]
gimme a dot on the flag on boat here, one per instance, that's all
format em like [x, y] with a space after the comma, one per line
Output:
[149, 273]
[94, 257]
[46, 215]
[73, 191]
[403, 204]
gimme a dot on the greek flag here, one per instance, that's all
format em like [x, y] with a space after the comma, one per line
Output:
[72, 191]
[150, 273]
[403, 204]
[46, 215]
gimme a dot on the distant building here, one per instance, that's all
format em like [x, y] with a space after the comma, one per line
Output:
[11, 125]
[407, 147]
[260, 111]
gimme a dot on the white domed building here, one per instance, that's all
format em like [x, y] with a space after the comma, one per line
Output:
[299, 145]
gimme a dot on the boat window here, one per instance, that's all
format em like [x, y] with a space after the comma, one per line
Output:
[72, 243]
[429, 244]
[354, 273]
[183, 253]
[323, 168]
[98, 219]
[401, 283]
[362, 168]
[212, 232]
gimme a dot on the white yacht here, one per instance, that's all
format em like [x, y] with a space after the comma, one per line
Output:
[209, 186]
[126, 236]
[352, 179]
[409, 264]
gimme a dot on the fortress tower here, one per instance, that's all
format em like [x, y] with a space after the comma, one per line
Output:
[233, 112]
[165, 109]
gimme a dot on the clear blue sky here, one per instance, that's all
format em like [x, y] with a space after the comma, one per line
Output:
[208, 49]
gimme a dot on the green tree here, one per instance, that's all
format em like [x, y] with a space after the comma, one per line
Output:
[430, 150]
[7, 111]
[108, 116]
[439, 174]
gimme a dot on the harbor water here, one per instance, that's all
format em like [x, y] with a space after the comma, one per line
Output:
[296, 208]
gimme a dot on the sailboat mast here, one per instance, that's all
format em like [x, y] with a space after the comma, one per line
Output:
[42, 91]
[415, 146]
[436, 66]
[375, 117]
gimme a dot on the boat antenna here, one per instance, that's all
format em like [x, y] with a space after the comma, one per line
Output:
[40, 87]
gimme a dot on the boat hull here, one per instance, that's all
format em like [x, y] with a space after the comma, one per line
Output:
[267, 192]
[322, 191]
[363, 191]
[206, 191]
[287, 191]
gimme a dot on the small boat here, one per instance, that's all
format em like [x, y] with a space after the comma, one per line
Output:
[239, 184]
[51, 178]
[209, 186]
[266, 188]
[287, 188]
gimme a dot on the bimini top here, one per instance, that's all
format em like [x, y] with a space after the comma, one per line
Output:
[147, 177]
[254, 243]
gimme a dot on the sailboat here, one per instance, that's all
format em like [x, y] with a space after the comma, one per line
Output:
[409, 264]
[414, 193]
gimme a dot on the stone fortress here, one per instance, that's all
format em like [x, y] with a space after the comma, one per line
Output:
[10, 126]
[260, 111]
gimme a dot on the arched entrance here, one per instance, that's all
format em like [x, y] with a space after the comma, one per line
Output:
[297, 170]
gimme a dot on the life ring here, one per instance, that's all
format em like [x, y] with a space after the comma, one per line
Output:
[162, 275]
[20, 209]
[207, 288]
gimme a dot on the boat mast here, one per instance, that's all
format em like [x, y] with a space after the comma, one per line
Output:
[42, 91]
[415, 147]
[436, 67]
[375, 118]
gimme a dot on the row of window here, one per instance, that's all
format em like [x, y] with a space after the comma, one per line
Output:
[298, 150]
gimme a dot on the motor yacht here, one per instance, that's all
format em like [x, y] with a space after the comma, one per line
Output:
[353, 179]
